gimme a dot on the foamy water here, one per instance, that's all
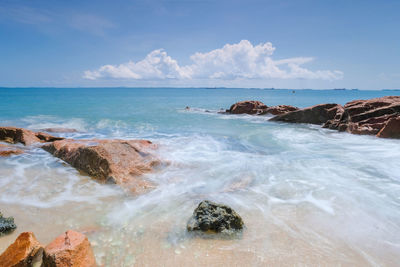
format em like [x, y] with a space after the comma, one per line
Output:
[308, 196]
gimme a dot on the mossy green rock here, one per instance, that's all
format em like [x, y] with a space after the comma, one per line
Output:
[218, 218]
[7, 225]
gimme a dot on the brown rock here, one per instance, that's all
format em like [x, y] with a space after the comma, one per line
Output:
[26, 251]
[248, 107]
[71, 249]
[15, 135]
[368, 116]
[281, 109]
[318, 114]
[6, 151]
[60, 130]
[111, 161]
[391, 129]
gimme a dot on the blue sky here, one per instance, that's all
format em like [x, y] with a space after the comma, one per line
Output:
[281, 44]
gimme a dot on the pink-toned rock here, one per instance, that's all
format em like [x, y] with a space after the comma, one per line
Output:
[15, 135]
[71, 249]
[318, 114]
[391, 129]
[258, 108]
[248, 107]
[368, 117]
[26, 251]
[281, 109]
[6, 151]
[112, 161]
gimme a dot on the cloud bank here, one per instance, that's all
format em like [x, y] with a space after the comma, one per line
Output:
[233, 61]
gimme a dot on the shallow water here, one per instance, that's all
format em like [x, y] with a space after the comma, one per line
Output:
[308, 196]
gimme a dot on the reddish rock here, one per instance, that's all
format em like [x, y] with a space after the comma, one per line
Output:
[71, 249]
[15, 135]
[248, 107]
[111, 161]
[24, 252]
[6, 151]
[281, 109]
[391, 129]
[318, 114]
[368, 117]
[60, 130]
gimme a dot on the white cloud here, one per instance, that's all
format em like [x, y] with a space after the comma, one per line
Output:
[232, 61]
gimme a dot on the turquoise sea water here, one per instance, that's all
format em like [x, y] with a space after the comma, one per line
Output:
[308, 195]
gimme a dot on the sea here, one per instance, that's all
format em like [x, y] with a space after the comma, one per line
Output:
[308, 196]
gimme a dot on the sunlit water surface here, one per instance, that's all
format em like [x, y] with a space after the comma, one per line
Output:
[308, 196]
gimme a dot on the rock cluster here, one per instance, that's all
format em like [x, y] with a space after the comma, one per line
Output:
[258, 108]
[371, 117]
[377, 116]
[67, 250]
[111, 161]
[7, 225]
[15, 135]
[217, 218]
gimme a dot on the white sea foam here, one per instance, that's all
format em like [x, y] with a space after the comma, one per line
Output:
[37, 179]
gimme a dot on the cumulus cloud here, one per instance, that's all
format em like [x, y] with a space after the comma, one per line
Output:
[233, 61]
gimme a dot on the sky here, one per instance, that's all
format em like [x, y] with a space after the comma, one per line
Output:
[200, 43]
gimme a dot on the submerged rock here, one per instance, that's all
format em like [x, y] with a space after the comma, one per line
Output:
[369, 117]
[7, 225]
[217, 218]
[111, 161]
[15, 135]
[60, 130]
[6, 151]
[318, 114]
[69, 249]
[26, 251]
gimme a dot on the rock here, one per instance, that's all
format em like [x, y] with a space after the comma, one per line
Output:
[7, 225]
[111, 161]
[217, 218]
[15, 135]
[26, 251]
[248, 107]
[6, 151]
[60, 130]
[71, 249]
[281, 109]
[318, 114]
[391, 129]
[258, 108]
[368, 117]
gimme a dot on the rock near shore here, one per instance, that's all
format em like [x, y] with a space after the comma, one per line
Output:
[110, 161]
[7, 225]
[318, 114]
[377, 116]
[69, 249]
[15, 135]
[213, 217]
[258, 108]
[26, 251]
[369, 117]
